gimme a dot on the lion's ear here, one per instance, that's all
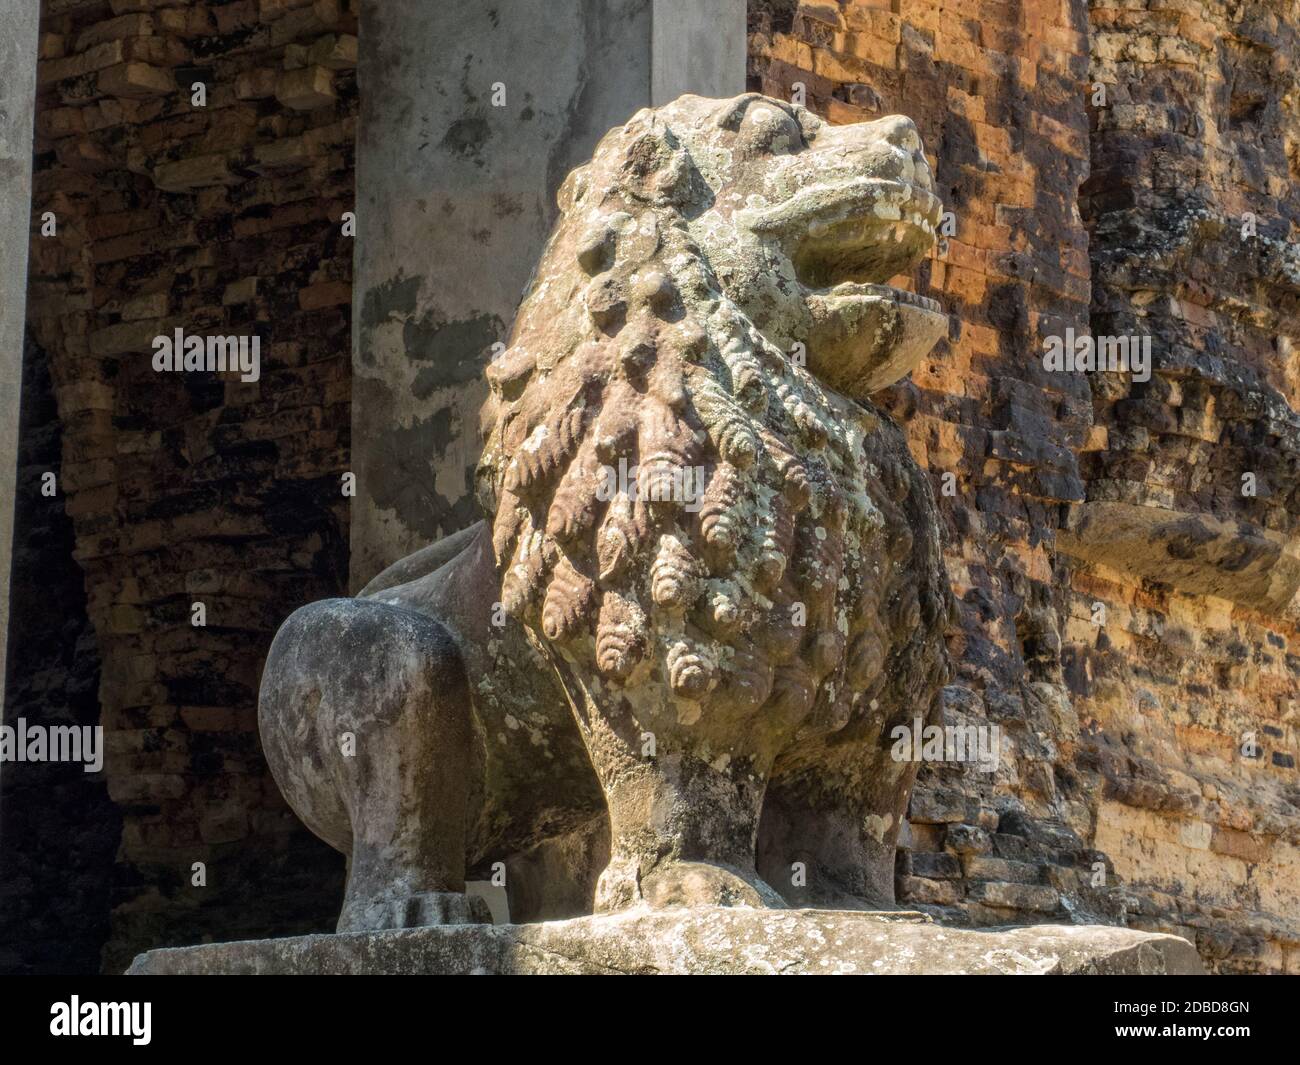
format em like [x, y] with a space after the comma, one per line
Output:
[645, 155]
[657, 168]
[808, 122]
[672, 184]
[732, 113]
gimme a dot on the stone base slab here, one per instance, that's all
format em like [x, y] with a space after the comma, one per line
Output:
[705, 940]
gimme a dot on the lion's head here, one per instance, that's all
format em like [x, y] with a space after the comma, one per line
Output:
[682, 504]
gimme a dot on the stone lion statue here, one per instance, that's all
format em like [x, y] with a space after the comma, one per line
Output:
[709, 582]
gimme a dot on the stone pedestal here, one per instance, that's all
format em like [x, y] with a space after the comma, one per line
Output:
[708, 939]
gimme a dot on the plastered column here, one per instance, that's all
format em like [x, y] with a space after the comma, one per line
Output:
[17, 107]
[471, 116]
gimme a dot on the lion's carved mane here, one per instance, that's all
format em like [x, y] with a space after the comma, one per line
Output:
[748, 559]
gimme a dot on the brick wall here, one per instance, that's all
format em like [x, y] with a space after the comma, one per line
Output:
[1192, 685]
[59, 830]
[1125, 698]
[196, 487]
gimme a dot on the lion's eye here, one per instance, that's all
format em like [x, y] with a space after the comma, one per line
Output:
[769, 129]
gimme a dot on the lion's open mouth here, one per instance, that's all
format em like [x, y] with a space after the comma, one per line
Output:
[846, 240]
[869, 290]
[863, 230]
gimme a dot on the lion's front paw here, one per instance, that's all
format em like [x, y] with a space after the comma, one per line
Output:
[413, 911]
[673, 884]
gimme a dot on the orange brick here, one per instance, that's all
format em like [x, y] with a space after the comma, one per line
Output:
[878, 50]
[966, 257]
[994, 142]
[920, 14]
[840, 113]
[964, 104]
[956, 47]
[830, 65]
[1070, 139]
[981, 339]
[325, 294]
[1240, 844]
[881, 23]
[967, 285]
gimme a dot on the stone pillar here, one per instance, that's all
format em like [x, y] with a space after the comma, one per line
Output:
[17, 107]
[697, 46]
[471, 116]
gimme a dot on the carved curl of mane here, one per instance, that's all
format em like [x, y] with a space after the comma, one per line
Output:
[627, 353]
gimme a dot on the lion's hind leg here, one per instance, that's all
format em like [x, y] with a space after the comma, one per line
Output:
[366, 720]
